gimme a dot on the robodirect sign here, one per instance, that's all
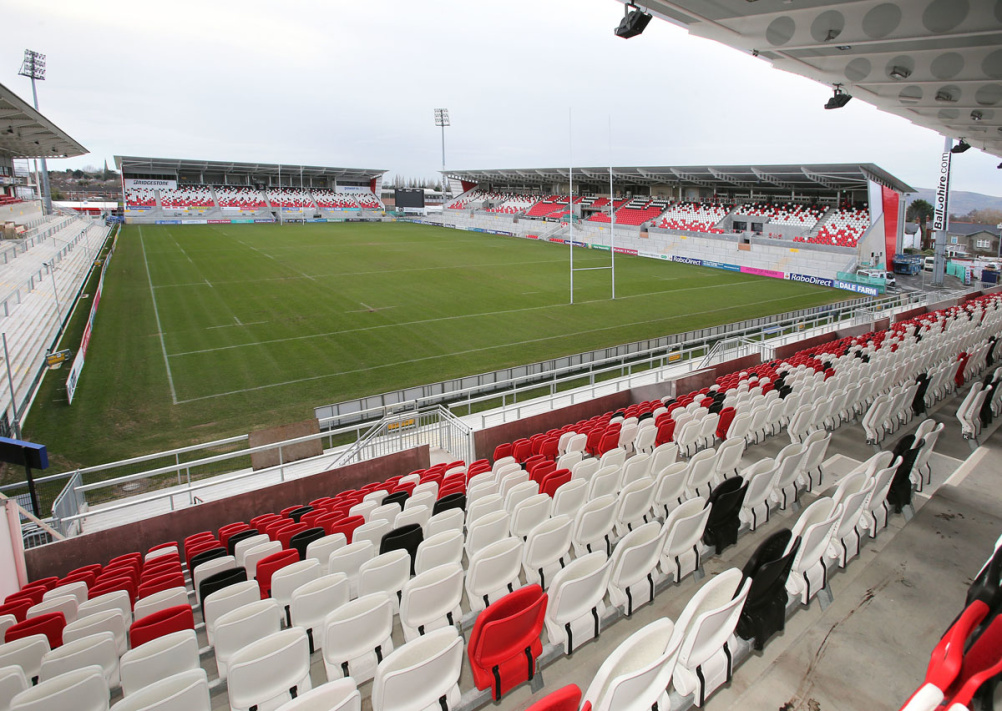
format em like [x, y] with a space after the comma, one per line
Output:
[687, 260]
[808, 279]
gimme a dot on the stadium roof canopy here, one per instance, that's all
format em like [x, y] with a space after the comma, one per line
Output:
[938, 63]
[159, 166]
[25, 133]
[821, 177]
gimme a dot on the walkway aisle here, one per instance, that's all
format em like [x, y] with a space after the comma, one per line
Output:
[870, 649]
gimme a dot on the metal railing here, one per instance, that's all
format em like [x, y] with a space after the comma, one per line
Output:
[434, 426]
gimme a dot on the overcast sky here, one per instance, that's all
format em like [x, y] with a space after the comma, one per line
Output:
[354, 84]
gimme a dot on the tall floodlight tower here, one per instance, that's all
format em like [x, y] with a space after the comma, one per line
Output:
[33, 67]
[442, 120]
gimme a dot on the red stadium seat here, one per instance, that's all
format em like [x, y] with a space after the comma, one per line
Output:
[286, 534]
[32, 593]
[666, 432]
[504, 643]
[724, 423]
[346, 526]
[229, 529]
[159, 584]
[18, 606]
[172, 619]
[262, 520]
[50, 624]
[554, 481]
[565, 699]
[522, 450]
[267, 566]
[112, 584]
[502, 451]
[541, 469]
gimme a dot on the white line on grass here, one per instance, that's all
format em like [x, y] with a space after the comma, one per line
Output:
[156, 313]
[459, 353]
[419, 322]
[265, 254]
[341, 275]
[233, 325]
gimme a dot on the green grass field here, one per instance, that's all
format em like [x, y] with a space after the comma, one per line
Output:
[210, 331]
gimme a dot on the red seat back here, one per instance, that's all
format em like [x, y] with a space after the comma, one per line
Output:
[521, 450]
[272, 528]
[346, 526]
[982, 661]
[50, 624]
[159, 584]
[111, 585]
[286, 534]
[92, 568]
[33, 593]
[228, 530]
[724, 423]
[172, 619]
[594, 439]
[502, 451]
[554, 481]
[504, 642]
[666, 432]
[259, 521]
[550, 447]
[18, 606]
[310, 519]
[267, 566]
[190, 551]
[610, 440]
[566, 699]
[540, 470]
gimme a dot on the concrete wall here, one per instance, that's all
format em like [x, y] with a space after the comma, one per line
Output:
[101, 546]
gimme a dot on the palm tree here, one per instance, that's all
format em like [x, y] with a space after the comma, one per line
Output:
[920, 211]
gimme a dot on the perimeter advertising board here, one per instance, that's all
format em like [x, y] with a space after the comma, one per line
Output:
[941, 209]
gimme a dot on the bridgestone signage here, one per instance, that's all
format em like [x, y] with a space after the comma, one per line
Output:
[150, 183]
[941, 210]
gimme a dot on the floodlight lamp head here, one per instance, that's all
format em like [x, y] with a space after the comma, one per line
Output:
[442, 117]
[900, 72]
[839, 98]
[961, 146]
[33, 65]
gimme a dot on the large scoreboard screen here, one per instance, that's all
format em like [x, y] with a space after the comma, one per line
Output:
[409, 197]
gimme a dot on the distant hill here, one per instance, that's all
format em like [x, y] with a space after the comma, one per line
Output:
[961, 202]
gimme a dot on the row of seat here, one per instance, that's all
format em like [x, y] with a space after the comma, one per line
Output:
[187, 196]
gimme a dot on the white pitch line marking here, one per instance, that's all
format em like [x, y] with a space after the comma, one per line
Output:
[156, 313]
[233, 325]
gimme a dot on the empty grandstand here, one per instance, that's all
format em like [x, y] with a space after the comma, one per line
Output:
[815, 222]
[170, 191]
[44, 260]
